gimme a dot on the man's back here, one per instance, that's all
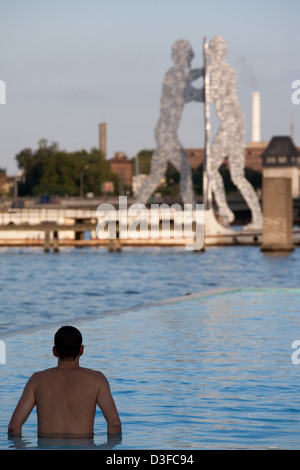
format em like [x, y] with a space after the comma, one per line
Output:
[66, 396]
[66, 400]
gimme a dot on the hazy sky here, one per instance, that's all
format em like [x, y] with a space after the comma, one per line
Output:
[69, 65]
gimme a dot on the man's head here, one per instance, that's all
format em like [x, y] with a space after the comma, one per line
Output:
[67, 343]
[182, 53]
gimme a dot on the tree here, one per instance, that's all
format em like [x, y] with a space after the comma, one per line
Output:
[51, 171]
[144, 161]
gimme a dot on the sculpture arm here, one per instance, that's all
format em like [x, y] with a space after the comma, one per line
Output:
[193, 94]
[195, 73]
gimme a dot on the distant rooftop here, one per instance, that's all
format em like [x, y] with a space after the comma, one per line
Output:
[281, 151]
[281, 145]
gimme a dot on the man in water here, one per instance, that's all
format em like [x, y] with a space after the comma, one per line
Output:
[66, 395]
[176, 92]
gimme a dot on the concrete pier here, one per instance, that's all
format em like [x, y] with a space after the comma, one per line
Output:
[277, 215]
[67, 227]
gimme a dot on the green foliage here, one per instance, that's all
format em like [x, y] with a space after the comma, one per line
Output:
[253, 176]
[197, 175]
[50, 171]
[144, 161]
[172, 180]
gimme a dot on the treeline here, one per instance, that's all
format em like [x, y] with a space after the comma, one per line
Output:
[54, 172]
[51, 171]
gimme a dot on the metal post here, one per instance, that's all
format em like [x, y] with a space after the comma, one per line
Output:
[47, 241]
[207, 193]
[137, 174]
[118, 241]
[55, 241]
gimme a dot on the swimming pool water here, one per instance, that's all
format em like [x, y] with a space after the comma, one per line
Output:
[209, 371]
[37, 288]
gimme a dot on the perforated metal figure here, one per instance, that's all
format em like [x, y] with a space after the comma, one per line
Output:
[176, 91]
[229, 140]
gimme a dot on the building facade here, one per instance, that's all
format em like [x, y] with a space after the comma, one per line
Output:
[120, 165]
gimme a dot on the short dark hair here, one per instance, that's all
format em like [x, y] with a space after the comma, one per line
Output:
[67, 341]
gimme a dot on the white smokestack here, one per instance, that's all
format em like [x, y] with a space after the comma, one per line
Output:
[255, 124]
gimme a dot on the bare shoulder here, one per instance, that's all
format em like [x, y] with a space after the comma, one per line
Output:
[35, 378]
[95, 374]
[41, 373]
[82, 373]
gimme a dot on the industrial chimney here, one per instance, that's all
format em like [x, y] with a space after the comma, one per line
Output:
[255, 121]
[102, 138]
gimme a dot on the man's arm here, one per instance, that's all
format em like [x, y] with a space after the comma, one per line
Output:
[23, 409]
[107, 405]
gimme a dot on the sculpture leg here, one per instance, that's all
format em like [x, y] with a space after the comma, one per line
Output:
[186, 180]
[158, 169]
[182, 165]
[225, 215]
[180, 162]
[246, 189]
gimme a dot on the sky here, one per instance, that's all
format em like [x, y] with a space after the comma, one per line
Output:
[69, 65]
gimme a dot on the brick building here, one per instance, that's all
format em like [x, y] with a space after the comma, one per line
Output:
[253, 156]
[195, 157]
[253, 153]
[120, 165]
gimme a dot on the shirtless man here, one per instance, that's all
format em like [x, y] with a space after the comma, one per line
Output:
[66, 395]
